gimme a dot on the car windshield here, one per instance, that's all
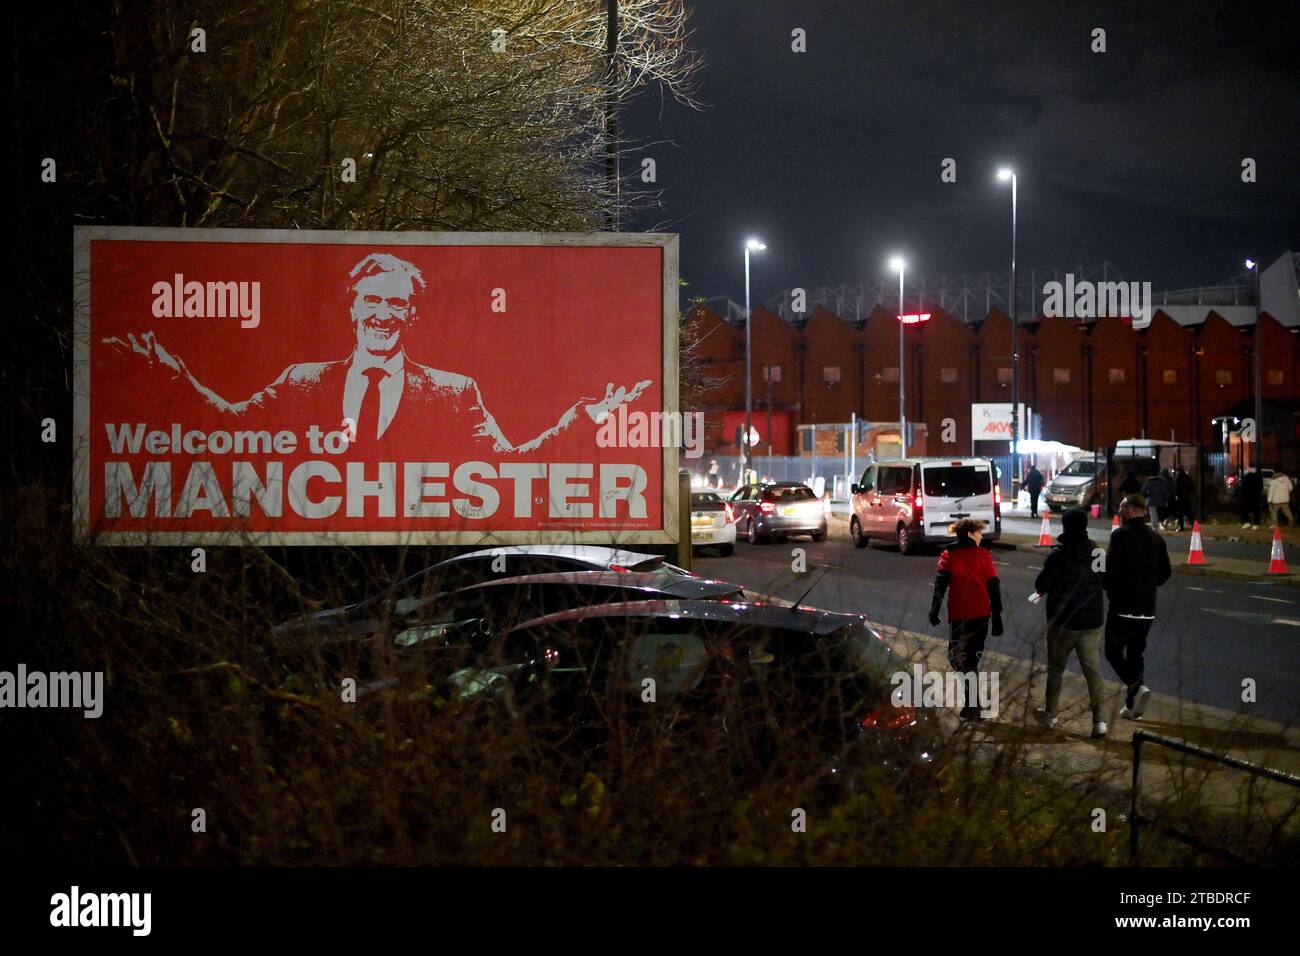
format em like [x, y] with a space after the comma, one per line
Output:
[706, 501]
[957, 481]
[791, 493]
[1082, 467]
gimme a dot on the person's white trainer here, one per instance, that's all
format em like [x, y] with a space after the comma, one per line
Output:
[1099, 728]
[1140, 701]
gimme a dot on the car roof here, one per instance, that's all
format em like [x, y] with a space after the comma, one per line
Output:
[596, 554]
[799, 619]
[649, 581]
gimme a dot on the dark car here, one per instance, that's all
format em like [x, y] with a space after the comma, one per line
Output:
[778, 509]
[752, 686]
[458, 626]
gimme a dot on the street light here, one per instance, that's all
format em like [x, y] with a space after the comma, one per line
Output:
[1008, 175]
[1253, 268]
[899, 265]
[751, 245]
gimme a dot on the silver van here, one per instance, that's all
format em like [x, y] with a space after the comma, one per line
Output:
[912, 501]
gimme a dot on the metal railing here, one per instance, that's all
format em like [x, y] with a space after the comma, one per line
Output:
[1136, 820]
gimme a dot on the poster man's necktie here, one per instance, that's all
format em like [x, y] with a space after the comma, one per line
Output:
[368, 417]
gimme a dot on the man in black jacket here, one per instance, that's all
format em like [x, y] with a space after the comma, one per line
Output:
[1137, 562]
[1252, 489]
[1072, 580]
[1034, 482]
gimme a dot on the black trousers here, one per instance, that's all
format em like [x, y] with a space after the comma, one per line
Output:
[1033, 502]
[966, 645]
[1126, 645]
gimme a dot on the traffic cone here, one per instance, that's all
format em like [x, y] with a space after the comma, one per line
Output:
[1114, 524]
[1197, 554]
[1277, 560]
[1045, 535]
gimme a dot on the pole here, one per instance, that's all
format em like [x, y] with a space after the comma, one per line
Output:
[611, 114]
[902, 409]
[1256, 457]
[853, 446]
[1015, 361]
[749, 396]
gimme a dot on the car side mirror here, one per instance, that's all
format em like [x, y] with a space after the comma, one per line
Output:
[853, 488]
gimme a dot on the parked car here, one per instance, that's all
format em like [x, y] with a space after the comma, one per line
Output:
[913, 501]
[779, 509]
[712, 522]
[1079, 484]
[759, 685]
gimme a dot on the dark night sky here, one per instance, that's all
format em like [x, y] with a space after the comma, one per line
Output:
[833, 156]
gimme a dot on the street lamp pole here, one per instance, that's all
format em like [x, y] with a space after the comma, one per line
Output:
[899, 265]
[751, 245]
[1004, 175]
[1255, 457]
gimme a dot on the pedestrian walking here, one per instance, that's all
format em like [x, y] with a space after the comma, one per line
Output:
[1137, 563]
[1156, 493]
[1184, 496]
[1252, 489]
[714, 479]
[1075, 614]
[967, 574]
[1130, 485]
[1034, 482]
[1279, 497]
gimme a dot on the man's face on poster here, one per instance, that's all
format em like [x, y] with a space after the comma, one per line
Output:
[381, 310]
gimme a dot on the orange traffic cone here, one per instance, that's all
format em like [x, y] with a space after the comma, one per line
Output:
[1277, 560]
[1114, 524]
[1197, 554]
[1045, 535]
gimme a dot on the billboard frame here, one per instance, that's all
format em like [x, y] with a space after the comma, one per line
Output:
[83, 236]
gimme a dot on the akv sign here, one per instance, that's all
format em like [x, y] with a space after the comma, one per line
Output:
[991, 421]
[287, 387]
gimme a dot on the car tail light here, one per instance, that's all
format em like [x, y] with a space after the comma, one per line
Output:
[997, 494]
[890, 719]
[918, 503]
[766, 507]
[618, 567]
[826, 506]
[731, 517]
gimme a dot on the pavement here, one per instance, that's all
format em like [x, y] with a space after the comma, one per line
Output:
[1068, 752]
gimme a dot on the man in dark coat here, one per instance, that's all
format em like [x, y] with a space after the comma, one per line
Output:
[1252, 490]
[1072, 580]
[1156, 492]
[1034, 482]
[1137, 563]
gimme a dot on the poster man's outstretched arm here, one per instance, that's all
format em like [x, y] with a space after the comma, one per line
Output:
[158, 356]
[597, 409]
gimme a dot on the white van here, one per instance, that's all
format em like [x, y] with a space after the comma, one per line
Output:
[912, 501]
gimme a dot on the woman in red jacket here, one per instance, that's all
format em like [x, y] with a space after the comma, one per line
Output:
[967, 574]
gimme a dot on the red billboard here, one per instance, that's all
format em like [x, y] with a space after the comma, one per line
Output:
[286, 387]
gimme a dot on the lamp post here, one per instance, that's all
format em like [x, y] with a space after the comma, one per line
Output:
[899, 265]
[1005, 175]
[751, 245]
[1253, 267]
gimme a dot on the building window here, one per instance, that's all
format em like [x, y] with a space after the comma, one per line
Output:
[830, 374]
[1275, 376]
[1004, 376]
[1170, 376]
[947, 375]
[1223, 377]
[889, 373]
[1061, 376]
[807, 439]
[1115, 376]
[772, 373]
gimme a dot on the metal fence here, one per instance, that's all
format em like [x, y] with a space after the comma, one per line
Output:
[1137, 820]
[831, 470]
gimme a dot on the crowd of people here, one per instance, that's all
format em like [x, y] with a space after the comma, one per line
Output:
[1078, 584]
